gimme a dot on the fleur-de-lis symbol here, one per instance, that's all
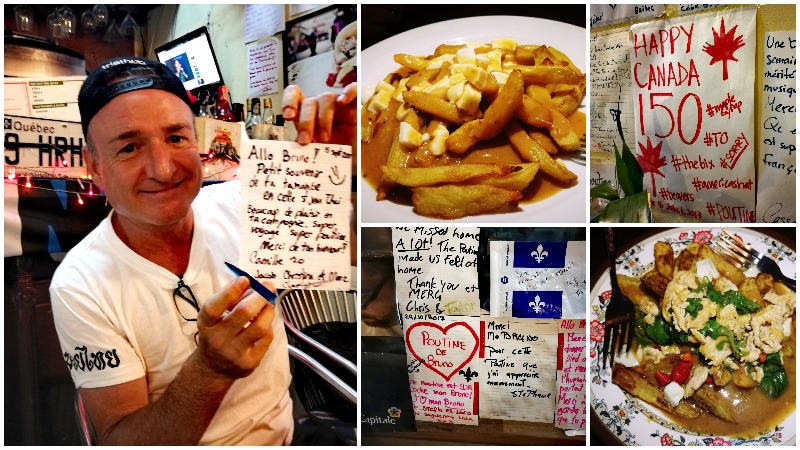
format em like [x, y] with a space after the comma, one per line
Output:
[468, 374]
[537, 305]
[540, 254]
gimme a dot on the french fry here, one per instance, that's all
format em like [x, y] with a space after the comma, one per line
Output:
[764, 282]
[440, 108]
[749, 288]
[515, 181]
[639, 387]
[456, 201]
[713, 402]
[633, 288]
[542, 75]
[368, 121]
[544, 141]
[656, 282]
[494, 119]
[687, 257]
[531, 151]
[411, 62]
[665, 258]
[432, 176]
[723, 266]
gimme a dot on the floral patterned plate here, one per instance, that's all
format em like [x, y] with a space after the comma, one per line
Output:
[633, 421]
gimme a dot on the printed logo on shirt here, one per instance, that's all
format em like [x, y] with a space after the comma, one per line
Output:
[86, 362]
[539, 255]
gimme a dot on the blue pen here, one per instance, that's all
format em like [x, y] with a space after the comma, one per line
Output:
[254, 284]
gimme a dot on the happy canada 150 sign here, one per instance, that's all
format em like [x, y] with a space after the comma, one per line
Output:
[693, 83]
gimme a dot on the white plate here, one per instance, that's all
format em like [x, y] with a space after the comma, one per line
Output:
[632, 421]
[377, 61]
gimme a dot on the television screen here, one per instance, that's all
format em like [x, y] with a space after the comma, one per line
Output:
[192, 59]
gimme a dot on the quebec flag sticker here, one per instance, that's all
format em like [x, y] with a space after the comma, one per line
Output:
[536, 304]
[539, 255]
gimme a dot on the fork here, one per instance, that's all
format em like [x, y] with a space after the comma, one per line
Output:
[742, 256]
[620, 313]
[579, 156]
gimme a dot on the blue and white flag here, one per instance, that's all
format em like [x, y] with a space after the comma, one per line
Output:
[545, 280]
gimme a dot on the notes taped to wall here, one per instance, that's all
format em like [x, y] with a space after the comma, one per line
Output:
[436, 271]
[443, 369]
[518, 369]
[777, 159]
[571, 375]
[295, 214]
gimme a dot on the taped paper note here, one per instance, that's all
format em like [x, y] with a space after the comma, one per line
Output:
[571, 375]
[442, 369]
[436, 271]
[604, 15]
[693, 103]
[543, 280]
[295, 214]
[777, 160]
[518, 369]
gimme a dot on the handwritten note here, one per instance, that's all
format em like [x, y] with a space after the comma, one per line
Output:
[693, 8]
[571, 375]
[611, 92]
[604, 15]
[693, 104]
[543, 280]
[295, 214]
[777, 160]
[263, 68]
[442, 369]
[261, 21]
[518, 369]
[436, 271]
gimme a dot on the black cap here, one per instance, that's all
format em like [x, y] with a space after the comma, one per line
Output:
[125, 74]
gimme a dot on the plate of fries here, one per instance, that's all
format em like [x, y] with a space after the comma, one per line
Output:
[468, 120]
[718, 401]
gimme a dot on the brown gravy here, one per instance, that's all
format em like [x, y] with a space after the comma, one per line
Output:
[496, 151]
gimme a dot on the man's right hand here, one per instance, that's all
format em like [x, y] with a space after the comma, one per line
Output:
[234, 331]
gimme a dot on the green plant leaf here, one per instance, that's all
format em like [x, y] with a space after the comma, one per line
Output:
[604, 190]
[629, 209]
[634, 169]
[623, 174]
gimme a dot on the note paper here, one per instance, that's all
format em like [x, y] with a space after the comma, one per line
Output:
[693, 106]
[543, 280]
[262, 21]
[295, 214]
[611, 93]
[604, 15]
[518, 369]
[442, 369]
[777, 160]
[571, 375]
[436, 270]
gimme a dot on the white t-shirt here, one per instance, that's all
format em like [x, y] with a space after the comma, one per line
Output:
[117, 321]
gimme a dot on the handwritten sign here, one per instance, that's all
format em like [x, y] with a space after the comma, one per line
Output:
[543, 280]
[518, 369]
[604, 15]
[261, 21]
[571, 375]
[442, 363]
[693, 104]
[693, 8]
[436, 271]
[263, 68]
[611, 92]
[42, 148]
[777, 160]
[295, 214]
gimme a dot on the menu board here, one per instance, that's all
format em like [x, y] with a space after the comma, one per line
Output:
[777, 160]
[694, 109]
[571, 375]
[295, 214]
[518, 369]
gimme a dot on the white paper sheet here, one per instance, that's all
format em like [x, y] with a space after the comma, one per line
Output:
[295, 214]
[443, 369]
[436, 271]
[571, 375]
[518, 369]
[263, 68]
[544, 280]
[604, 15]
[693, 104]
[261, 21]
[777, 158]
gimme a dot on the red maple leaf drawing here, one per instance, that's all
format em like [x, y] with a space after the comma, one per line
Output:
[724, 46]
[651, 160]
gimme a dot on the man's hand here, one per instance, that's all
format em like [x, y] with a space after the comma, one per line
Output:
[233, 343]
[326, 118]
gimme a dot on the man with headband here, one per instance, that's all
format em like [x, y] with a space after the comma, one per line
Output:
[164, 347]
